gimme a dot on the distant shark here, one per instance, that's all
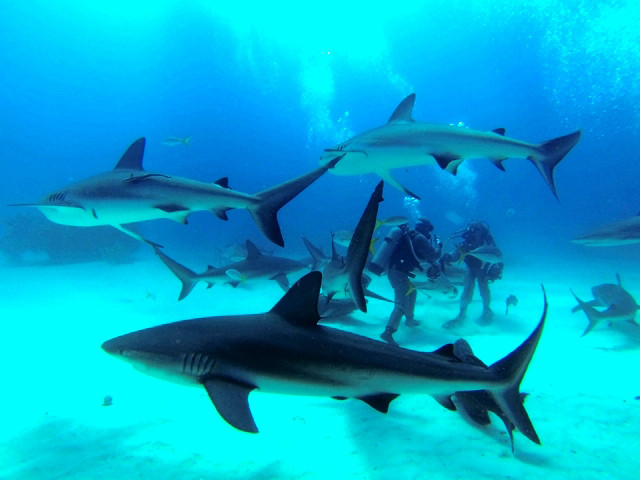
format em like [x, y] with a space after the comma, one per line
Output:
[485, 253]
[129, 194]
[255, 267]
[285, 351]
[622, 232]
[403, 142]
[619, 305]
[343, 276]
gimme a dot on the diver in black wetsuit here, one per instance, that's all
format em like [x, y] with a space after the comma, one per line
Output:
[402, 252]
[476, 235]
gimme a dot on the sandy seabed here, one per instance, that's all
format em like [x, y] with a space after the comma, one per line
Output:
[582, 391]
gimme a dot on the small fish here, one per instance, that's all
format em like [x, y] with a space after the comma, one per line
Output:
[175, 141]
[392, 221]
[235, 276]
[511, 300]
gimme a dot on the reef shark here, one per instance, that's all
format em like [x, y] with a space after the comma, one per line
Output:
[403, 142]
[343, 276]
[619, 305]
[130, 194]
[256, 266]
[285, 351]
[622, 232]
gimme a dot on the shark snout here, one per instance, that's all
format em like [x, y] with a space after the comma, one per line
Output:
[112, 347]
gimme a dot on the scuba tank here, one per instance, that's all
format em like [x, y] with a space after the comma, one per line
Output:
[380, 260]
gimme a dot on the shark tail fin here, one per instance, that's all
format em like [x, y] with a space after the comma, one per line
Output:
[551, 153]
[265, 211]
[511, 369]
[186, 276]
[358, 250]
[592, 314]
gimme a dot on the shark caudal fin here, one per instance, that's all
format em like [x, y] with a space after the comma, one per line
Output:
[551, 153]
[512, 369]
[265, 211]
[592, 314]
[358, 250]
[186, 276]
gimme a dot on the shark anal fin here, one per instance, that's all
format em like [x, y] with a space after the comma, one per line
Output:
[379, 401]
[497, 161]
[282, 280]
[231, 400]
[299, 306]
[221, 213]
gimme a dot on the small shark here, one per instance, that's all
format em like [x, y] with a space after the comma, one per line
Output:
[622, 232]
[619, 305]
[285, 351]
[343, 276]
[255, 267]
[485, 253]
[175, 141]
[129, 194]
[403, 142]
[475, 406]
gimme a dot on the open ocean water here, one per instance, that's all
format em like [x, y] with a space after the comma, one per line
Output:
[262, 89]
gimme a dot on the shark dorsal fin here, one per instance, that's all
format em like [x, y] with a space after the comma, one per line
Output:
[446, 351]
[299, 306]
[132, 158]
[402, 113]
[252, 251]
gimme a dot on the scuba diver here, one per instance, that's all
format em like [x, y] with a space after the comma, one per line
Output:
[402, 251]
[484, 264]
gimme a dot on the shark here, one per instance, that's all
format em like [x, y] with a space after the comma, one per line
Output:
[619, 305]
[621, 232]
[402, 142]
[343, 276]
[129, 194]
[486, 253]
[285, 351]
[257, 266]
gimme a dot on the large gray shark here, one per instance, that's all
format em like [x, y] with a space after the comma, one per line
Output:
[343, 276]
[622, 232]
[285, 351]
[255, 267]
[403, 142]
[129, 194]
[619, 305]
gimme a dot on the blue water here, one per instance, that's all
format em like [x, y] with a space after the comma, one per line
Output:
[263, 89]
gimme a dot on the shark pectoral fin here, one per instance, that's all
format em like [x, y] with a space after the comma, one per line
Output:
[370, 294]
[387, 177]
[136, 236]
[379, 401]
[231, 400]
